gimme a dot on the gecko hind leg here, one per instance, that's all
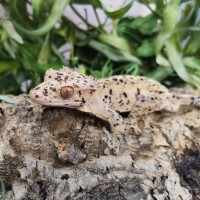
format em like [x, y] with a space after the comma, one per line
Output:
[148, 103]
[145, 104]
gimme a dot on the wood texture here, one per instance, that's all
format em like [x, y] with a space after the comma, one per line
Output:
[57, 153]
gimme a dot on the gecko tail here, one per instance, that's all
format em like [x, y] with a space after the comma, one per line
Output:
[187, 99]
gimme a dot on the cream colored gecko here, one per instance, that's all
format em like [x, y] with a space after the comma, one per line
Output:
[107, 97]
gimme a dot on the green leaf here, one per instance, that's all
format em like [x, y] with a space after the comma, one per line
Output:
[192, 63]
[115, 41]
[7, 99]
[177, 63]
[8, 65]
[145, 25]
[45, 50]
[176, 60]
[19, 14]
[113, 53]
[96, 73]
[29, 52]
[56, 13]
[107, 70]
[147, 49]
[160, 73]
[168, 26]
[3, 34]
[13, 34]
[95, 3]
[162, 61]
[117, 13]
[130, 68]
[194, 29]
[193, 44]
[37, 8]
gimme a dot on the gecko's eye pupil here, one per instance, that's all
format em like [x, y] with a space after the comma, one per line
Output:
[66, 92]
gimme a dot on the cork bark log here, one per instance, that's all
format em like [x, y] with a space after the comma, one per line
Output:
[58, 153]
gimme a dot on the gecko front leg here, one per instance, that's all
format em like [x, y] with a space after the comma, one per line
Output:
[117, 128]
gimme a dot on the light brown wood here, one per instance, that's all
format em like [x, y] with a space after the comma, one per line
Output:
[58, 153]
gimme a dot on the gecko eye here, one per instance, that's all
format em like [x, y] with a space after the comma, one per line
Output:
[66, 92]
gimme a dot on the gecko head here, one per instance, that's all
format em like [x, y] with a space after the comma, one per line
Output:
[65, 88]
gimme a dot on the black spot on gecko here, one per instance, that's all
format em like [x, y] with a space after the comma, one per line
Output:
[114, 79]
[75, 85]
[60, 73]
[138, 91]
[116, 124]
[53, 89]
[45, 92]
[192, 98]
[83, 100]
[106, 96]
[37, 88]
[173, 96]
[121, 80]
[120, 101]
[125, 94]
[110, 91]
[58, 78]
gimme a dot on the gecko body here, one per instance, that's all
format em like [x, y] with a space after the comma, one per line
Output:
[107, 97]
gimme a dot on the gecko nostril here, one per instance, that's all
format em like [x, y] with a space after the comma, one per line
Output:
[36, 96]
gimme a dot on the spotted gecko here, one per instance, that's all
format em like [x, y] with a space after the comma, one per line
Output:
[106, 98]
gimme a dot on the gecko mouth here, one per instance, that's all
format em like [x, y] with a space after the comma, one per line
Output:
[69, 104]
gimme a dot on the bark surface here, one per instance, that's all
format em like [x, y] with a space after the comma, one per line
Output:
[58, 153]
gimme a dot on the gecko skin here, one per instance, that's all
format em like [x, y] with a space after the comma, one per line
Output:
[107, 97]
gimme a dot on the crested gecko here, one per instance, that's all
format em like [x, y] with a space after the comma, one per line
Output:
[106, 98]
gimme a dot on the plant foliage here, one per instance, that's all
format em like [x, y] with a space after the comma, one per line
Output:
[164, 45]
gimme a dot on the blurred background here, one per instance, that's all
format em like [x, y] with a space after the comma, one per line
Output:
[155, 38]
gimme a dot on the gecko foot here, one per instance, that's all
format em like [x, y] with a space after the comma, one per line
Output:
[112, 142]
